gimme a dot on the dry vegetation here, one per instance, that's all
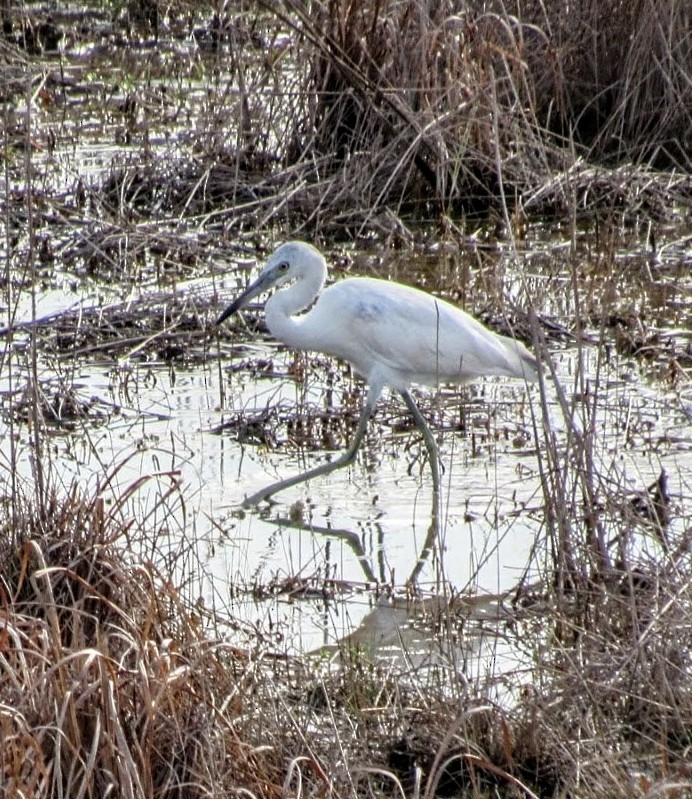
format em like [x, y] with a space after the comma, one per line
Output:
[370, 120]
[111, 680]
[344, 119]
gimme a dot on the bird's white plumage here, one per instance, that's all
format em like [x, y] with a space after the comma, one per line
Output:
[408, 336]
[392, 334]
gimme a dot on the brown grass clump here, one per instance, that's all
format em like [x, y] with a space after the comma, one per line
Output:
[601, 705]
[411, 103]
[416, 107]
[613, 76]
[109, 681]
[612, 706]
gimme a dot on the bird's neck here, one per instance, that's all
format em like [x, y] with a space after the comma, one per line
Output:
[281, 308]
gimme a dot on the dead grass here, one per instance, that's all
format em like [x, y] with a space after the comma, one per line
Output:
[364, 119]
[428, 113]
[110, 680]
[612, 77]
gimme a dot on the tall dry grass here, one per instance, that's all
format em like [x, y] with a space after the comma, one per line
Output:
[428, 108]
[112, 681]
[367, 118]
[613, 76]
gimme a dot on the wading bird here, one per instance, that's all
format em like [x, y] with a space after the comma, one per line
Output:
[393, 335]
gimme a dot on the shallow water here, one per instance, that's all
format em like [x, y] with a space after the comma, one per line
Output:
[321, 563]
[307, 571]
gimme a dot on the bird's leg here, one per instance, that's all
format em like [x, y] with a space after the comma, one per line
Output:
[325, 468]
[433, 457]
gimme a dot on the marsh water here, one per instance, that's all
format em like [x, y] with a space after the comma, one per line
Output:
[332, 555]
[176, 438]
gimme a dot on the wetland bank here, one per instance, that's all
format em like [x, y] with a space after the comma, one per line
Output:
[531, 166]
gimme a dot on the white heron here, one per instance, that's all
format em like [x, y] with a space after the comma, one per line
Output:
[393, 335]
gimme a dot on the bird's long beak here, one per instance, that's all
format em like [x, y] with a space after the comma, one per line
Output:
[263, 282]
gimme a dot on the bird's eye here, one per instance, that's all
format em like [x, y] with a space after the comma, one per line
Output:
[283, 267]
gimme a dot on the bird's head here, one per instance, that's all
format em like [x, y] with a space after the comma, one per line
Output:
[289, 262]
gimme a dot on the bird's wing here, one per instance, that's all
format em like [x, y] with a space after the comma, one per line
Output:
[407, 333]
